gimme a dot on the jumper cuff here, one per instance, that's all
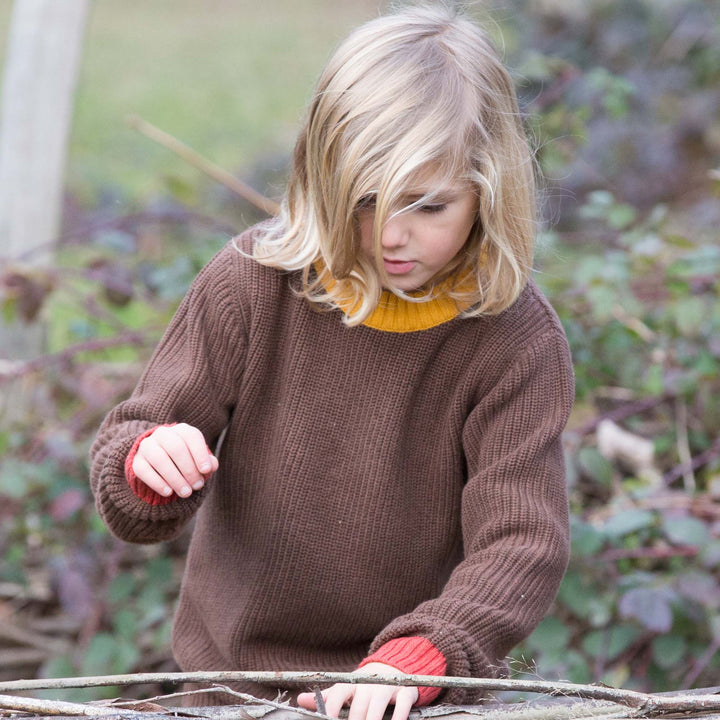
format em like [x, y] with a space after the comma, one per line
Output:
[145, 493]
[412, 656]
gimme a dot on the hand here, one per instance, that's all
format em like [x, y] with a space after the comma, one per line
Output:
[367, 702]
[174, 459]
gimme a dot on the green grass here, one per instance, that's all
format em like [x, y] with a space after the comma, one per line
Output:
[228, 77]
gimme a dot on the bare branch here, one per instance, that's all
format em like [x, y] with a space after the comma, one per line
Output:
[198, 161]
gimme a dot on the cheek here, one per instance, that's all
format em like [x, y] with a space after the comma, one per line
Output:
[366, 221]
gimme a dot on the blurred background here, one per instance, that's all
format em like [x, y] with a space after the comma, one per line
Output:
[622, 102]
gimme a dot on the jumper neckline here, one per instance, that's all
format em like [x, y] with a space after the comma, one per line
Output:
[397, 315]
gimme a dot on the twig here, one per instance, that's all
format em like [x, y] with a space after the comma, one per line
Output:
[697, 462]
[645, 704]
[198, 161]
[60, 707]
[623, 412]
[653, 553]
[245, 697]
[320, 702]
[683, 444]
[10, 370]
[633, 323]
[701, 663]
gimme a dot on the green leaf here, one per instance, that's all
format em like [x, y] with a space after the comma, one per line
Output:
[585, 539]
[685, 530]
[551, 634]
[710, 554]
[99, 658]
[121, 588]
[13, 482]
[621, 216]
[628, 521]
[609, 642]
[688, 314]
[583, 600]
[595, 466]
[668, 650]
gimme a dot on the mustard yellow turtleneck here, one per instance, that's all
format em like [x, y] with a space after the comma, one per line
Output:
[398, 315]
[395, 314]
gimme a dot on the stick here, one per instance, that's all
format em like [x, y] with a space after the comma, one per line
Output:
[60, 707]
[11, 369]
[209, 168]
[629, 698]
[683, 444]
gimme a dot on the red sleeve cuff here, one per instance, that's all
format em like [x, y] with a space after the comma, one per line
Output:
[140, 489]
[412, 656]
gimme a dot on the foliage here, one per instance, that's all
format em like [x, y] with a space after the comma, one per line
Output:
[625, 130]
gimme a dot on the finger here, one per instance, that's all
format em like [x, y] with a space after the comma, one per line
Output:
[163, 465]
[204, 460]
[175, 445]
[307, 701]
[404, 701]
[336, 697]
[146, 473]
[381, 695]
[361, 701]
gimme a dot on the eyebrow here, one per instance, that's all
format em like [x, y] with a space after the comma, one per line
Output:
[441, 196]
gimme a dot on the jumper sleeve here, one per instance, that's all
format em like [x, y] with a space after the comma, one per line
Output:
[192, 378]
[514, 519]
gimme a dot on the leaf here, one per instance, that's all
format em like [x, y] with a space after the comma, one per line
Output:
[668, 650]
[13, 483]
[121, 588]
[688, 314]
[595, 466]
[585, 539]
[701, 587]
[621, 216]
[610, 642]
[710, 554]
[649, 606]
[551, 634]
[584, 601]
[628, 521]
[685, 530]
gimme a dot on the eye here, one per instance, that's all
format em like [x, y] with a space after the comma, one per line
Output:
[433, 209]
[366, 203]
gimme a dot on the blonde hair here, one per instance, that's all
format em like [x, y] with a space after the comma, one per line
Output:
[416, 92]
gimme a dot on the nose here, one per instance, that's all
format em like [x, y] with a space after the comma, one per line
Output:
[396, 232]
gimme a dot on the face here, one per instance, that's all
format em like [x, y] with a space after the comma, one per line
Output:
[418, 244]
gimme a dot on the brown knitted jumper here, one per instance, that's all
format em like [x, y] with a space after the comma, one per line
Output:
[372, 485]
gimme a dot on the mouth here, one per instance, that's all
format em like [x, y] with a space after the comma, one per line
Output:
[398, 267]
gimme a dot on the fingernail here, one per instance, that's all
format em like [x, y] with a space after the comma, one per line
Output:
[198, 485]
[166, 490]
[185, 491]
[205, 467]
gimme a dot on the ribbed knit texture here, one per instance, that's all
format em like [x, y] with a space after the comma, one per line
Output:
[398, 315]
[413, 656]
[372, 485]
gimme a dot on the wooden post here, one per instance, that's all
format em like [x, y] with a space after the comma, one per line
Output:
[42, 59]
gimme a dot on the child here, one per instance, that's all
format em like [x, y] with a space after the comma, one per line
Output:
[389, 495]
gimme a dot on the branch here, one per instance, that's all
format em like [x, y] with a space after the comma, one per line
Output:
[698, 461]
[198, 161]
[645, 704]
[60, 707]
[622, 412]
[12, 369]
